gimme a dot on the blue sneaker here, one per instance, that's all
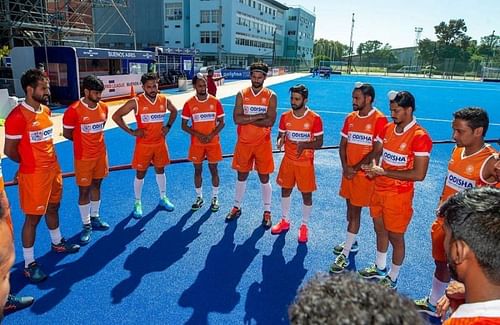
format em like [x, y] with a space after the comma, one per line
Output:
[137, 210]
[16, 303]
[424, 306]
[387, 282]
[98, 224]
[85, 234]
[373, 272]
[165, 202]
[34, 273]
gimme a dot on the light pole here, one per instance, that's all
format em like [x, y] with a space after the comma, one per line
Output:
[418, 33]
[349, 61]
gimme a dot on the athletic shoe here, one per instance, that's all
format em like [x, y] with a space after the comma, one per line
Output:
[64, 247]
[137, 210]
[280, 227]
[214, 205]
[85, 234]
[15, 303]
[266, 220]
[98, 224]
[165, 202]
[34, 273]
[387, 282]
[303, 234]
[235, 213]
[424, 306]
[340, 264]
[337, 250]
[373, 272]
[197, 204]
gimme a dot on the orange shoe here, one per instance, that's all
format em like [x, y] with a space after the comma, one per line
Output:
[303, 234]
[281, 226]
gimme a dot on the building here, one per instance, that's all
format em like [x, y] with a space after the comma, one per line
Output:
[300, 24]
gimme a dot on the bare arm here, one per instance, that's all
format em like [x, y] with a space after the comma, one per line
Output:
[10, 149]
[489, 170]
[280, 140]
[238, 115]
[417, 173]
[218, 128]
[347, 171]
[315, 143]
[121, 112]
[373, 155]
[270, 116]
[171, 119]
[68, 133]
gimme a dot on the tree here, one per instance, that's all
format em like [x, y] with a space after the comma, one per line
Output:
[333, 50]
[426, 51]
[452, 40]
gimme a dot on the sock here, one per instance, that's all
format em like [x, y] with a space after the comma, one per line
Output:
[28, 254]
[351, 238]
[94, 208]
[381, 260]
[394, 272]
[285, 207]
[199, 192]
[267, 192]
[161, 180]
[138, 183]
[240, 191]
[437, 291]
[85, 213]
[215, 191]
[306, 213]
[55, 235]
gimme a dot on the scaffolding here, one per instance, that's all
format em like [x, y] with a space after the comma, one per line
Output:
[52, 22]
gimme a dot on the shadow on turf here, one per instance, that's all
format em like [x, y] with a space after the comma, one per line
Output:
[155, 259]
[214, 289]
[267, 302]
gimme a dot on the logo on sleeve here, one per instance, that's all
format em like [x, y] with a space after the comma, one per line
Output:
[458, 182]
[41, 135]
[394, 159]
[152, 118]
[92, 127]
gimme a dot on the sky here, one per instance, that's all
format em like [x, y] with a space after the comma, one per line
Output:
[394, 22]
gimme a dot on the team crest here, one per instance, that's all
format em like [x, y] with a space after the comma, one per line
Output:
[85, 118]
[195, 109]
[246, 99]
[145, 108]
[368, 127]
[162, 107]
[211, 107]
[263, 100]
[402, 146]
[469, 169]
[306, 126]
[351, 125]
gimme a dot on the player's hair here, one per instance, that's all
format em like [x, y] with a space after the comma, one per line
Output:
[197, 77]
[349, 299]
[405, 99]
[473, 216]
[366, 89]
[91, 82]
[259, 67]
[300, 89]
[31, 78]
[476, 117]
[148, 76]
[210, 70]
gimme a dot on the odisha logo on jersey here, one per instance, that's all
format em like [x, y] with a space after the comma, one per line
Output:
[152, 118]
[359, 138]
[460, 182]
[394, 159]
[92, 127]
[299, 136]
[204, 117]
[251, 110]
[41, 135]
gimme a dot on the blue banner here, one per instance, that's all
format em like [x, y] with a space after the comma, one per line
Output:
[113, 54]
[236, 74]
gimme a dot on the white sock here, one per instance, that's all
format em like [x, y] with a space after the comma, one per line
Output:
[94, 208]
[138, 183]
[267, 193]
[161, 180]
[306, 213]
[199, 192]
[394, 272]
[215, 191]
[240, 191]
[55, 235]
[85, 213]
[381, 260]
[437, 291]
[351, 238]
[28, 254]
[285, 207]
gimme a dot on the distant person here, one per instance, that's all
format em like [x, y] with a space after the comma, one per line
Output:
[300, 133]
[472, 232]
[211, 82]
[206, 115]
[29, 141]
[83, 123]
[255, 114]
[403, 148]
[358, 136]
[150, 109]
[349, 299]
[472, 164]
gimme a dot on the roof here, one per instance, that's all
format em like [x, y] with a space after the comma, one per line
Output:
[277, 4]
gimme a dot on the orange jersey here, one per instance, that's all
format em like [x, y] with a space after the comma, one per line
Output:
[34, 130]
[88, 129]
[487, 313]
[360, 133]
[150, 117]
[2, 183]
[466, 171]
[399, 152]
[300, 129]
[254, 104]
[203, 116]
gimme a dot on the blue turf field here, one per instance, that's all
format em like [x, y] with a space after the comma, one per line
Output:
[184, 267]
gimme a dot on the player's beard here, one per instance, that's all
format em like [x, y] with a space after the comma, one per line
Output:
[151, 95]
[44, 99]
[201, 94]
[257, 85]
[297, 107]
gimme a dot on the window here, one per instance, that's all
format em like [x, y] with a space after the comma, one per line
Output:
[292, 18]
[173, 11]
[204, 16]
[215, 37]
[215, 16]
[204, 37]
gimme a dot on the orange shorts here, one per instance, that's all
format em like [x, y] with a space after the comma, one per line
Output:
[358, 190]
[396, 209]
[292, 173]
[144, 154]
[87, 170]
[259, 157]
[39, 189]
[213, 153]
[437, 235]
